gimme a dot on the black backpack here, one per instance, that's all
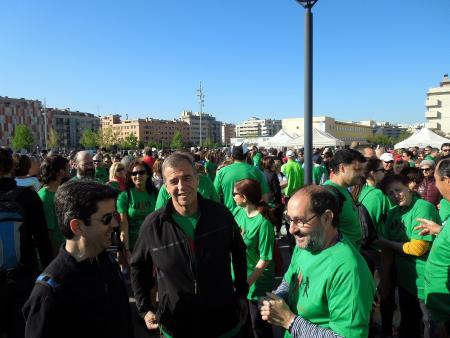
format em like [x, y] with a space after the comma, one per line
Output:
[11, 222]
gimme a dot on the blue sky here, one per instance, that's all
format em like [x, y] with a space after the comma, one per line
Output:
[372, 59]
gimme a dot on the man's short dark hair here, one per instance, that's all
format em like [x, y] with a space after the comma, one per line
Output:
[443, 168]
[175, 158]
[238, 153]
[22, 164]
[148, 151]
[6, 161]
[345, 156]
[413, 174]
[323, 198]
[408, 153]
[51, 166]
[446, 144]
[79, 199]
[391, 179]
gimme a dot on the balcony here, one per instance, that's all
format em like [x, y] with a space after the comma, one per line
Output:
[432, 103]
[433, 114]
[433, 125]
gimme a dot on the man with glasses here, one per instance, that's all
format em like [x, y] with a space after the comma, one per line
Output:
[347, 166]
[328, 289]
[81, 293]
[445, 149]
[84, 166]
[101, 173]
[388, 162]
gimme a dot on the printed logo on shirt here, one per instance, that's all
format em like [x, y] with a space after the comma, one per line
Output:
[142, 205]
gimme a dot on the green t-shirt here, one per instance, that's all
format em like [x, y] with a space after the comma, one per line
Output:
[377, 205]
[437, 277]
[114, 184]
[400, 224]
[444, 210]
[229, 175]
[412, 164]
[257, 160]
[333, 289]
[187, 223]
[137, 207]
[320, 174]
[205, 188]
[48, 200]
[259, 237]
[101, 174]
[294, 175]
[349, 222]
[211, 169]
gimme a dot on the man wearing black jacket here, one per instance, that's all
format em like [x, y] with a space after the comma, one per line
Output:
[191, 243]
[81, 293]
[17, 282]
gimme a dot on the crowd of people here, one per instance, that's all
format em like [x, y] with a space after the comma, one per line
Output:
[195, 234]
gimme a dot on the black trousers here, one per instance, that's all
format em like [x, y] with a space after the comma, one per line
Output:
[260, 328]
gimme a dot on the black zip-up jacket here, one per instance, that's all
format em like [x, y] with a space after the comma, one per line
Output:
[88, 299]
[197, 297]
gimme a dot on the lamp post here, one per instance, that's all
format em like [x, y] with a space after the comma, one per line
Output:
[308, 113]
[201, 102]
[44, 114]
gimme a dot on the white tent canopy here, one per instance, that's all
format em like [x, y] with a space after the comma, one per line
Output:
[422, 138]
[320, 139]
[280, 139]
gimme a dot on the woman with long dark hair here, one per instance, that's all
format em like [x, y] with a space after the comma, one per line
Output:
[254, 217]
[136, 202]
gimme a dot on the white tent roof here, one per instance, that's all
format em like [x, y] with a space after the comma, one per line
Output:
[320, 139]
[280, 139]
[422, 138]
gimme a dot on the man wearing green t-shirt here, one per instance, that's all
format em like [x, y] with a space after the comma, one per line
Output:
[84, 166]
[190, 243]
[437, 267]
[293, 172]
[239, 170]
[347, 165]
[54, 172]
[328, 289]
[101, 173]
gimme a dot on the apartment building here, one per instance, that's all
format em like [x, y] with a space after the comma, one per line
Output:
[437, 104]
[210, 128]
[256, 127]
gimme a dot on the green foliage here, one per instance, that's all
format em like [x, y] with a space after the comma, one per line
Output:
[130, 142]
[107, 138]
[381, 140]
[208, 143]
[89, 139]
[53, 139]
[23, 138]
[177, 141]
[153, 144]
[403, 136]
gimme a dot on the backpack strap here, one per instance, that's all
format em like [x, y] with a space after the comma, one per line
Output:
[46, 279]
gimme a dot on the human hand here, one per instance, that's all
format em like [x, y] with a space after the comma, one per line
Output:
[428, 227]
[276, 311]
[150, 321]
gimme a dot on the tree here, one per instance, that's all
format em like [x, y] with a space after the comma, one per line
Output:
[177, 141]
[208, 143]
[107, 137]
[380, 139]
[89, 139]
[153, 144]
[23, 138]
[53, 139]
[130, 142]
[403, 136]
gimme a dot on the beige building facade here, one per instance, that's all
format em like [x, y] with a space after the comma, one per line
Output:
[148, 129]
[256, 127]
[211, 129]
[438, 107]
[345, 131]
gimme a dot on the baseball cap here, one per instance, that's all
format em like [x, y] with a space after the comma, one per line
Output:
[387, 157]
[241, 145]
[289, 153]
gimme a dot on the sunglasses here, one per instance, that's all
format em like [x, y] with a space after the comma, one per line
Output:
[388, 161]
[140, 172]
[426, 169]
[107, 218]
[97, 161]
[446, 150]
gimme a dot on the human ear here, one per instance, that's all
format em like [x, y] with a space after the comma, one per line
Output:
[74, 225]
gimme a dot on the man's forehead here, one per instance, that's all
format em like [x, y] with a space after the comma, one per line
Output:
[181, 170]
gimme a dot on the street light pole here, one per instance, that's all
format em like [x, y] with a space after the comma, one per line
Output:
[45, 123]
[308, 113]
[201, 101]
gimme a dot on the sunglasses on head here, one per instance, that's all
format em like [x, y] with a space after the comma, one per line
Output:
[139, 172]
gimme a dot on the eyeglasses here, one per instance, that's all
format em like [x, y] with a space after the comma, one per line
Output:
[425, 169]
[140, 172]
[298, 222]
[107, 218]
[97, 161]
[388, 161]
[236, 193]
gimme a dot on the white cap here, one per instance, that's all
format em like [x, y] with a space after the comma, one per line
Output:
[289, 153]
[387, 157]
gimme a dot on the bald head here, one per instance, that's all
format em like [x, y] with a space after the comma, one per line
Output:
[85, 165]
